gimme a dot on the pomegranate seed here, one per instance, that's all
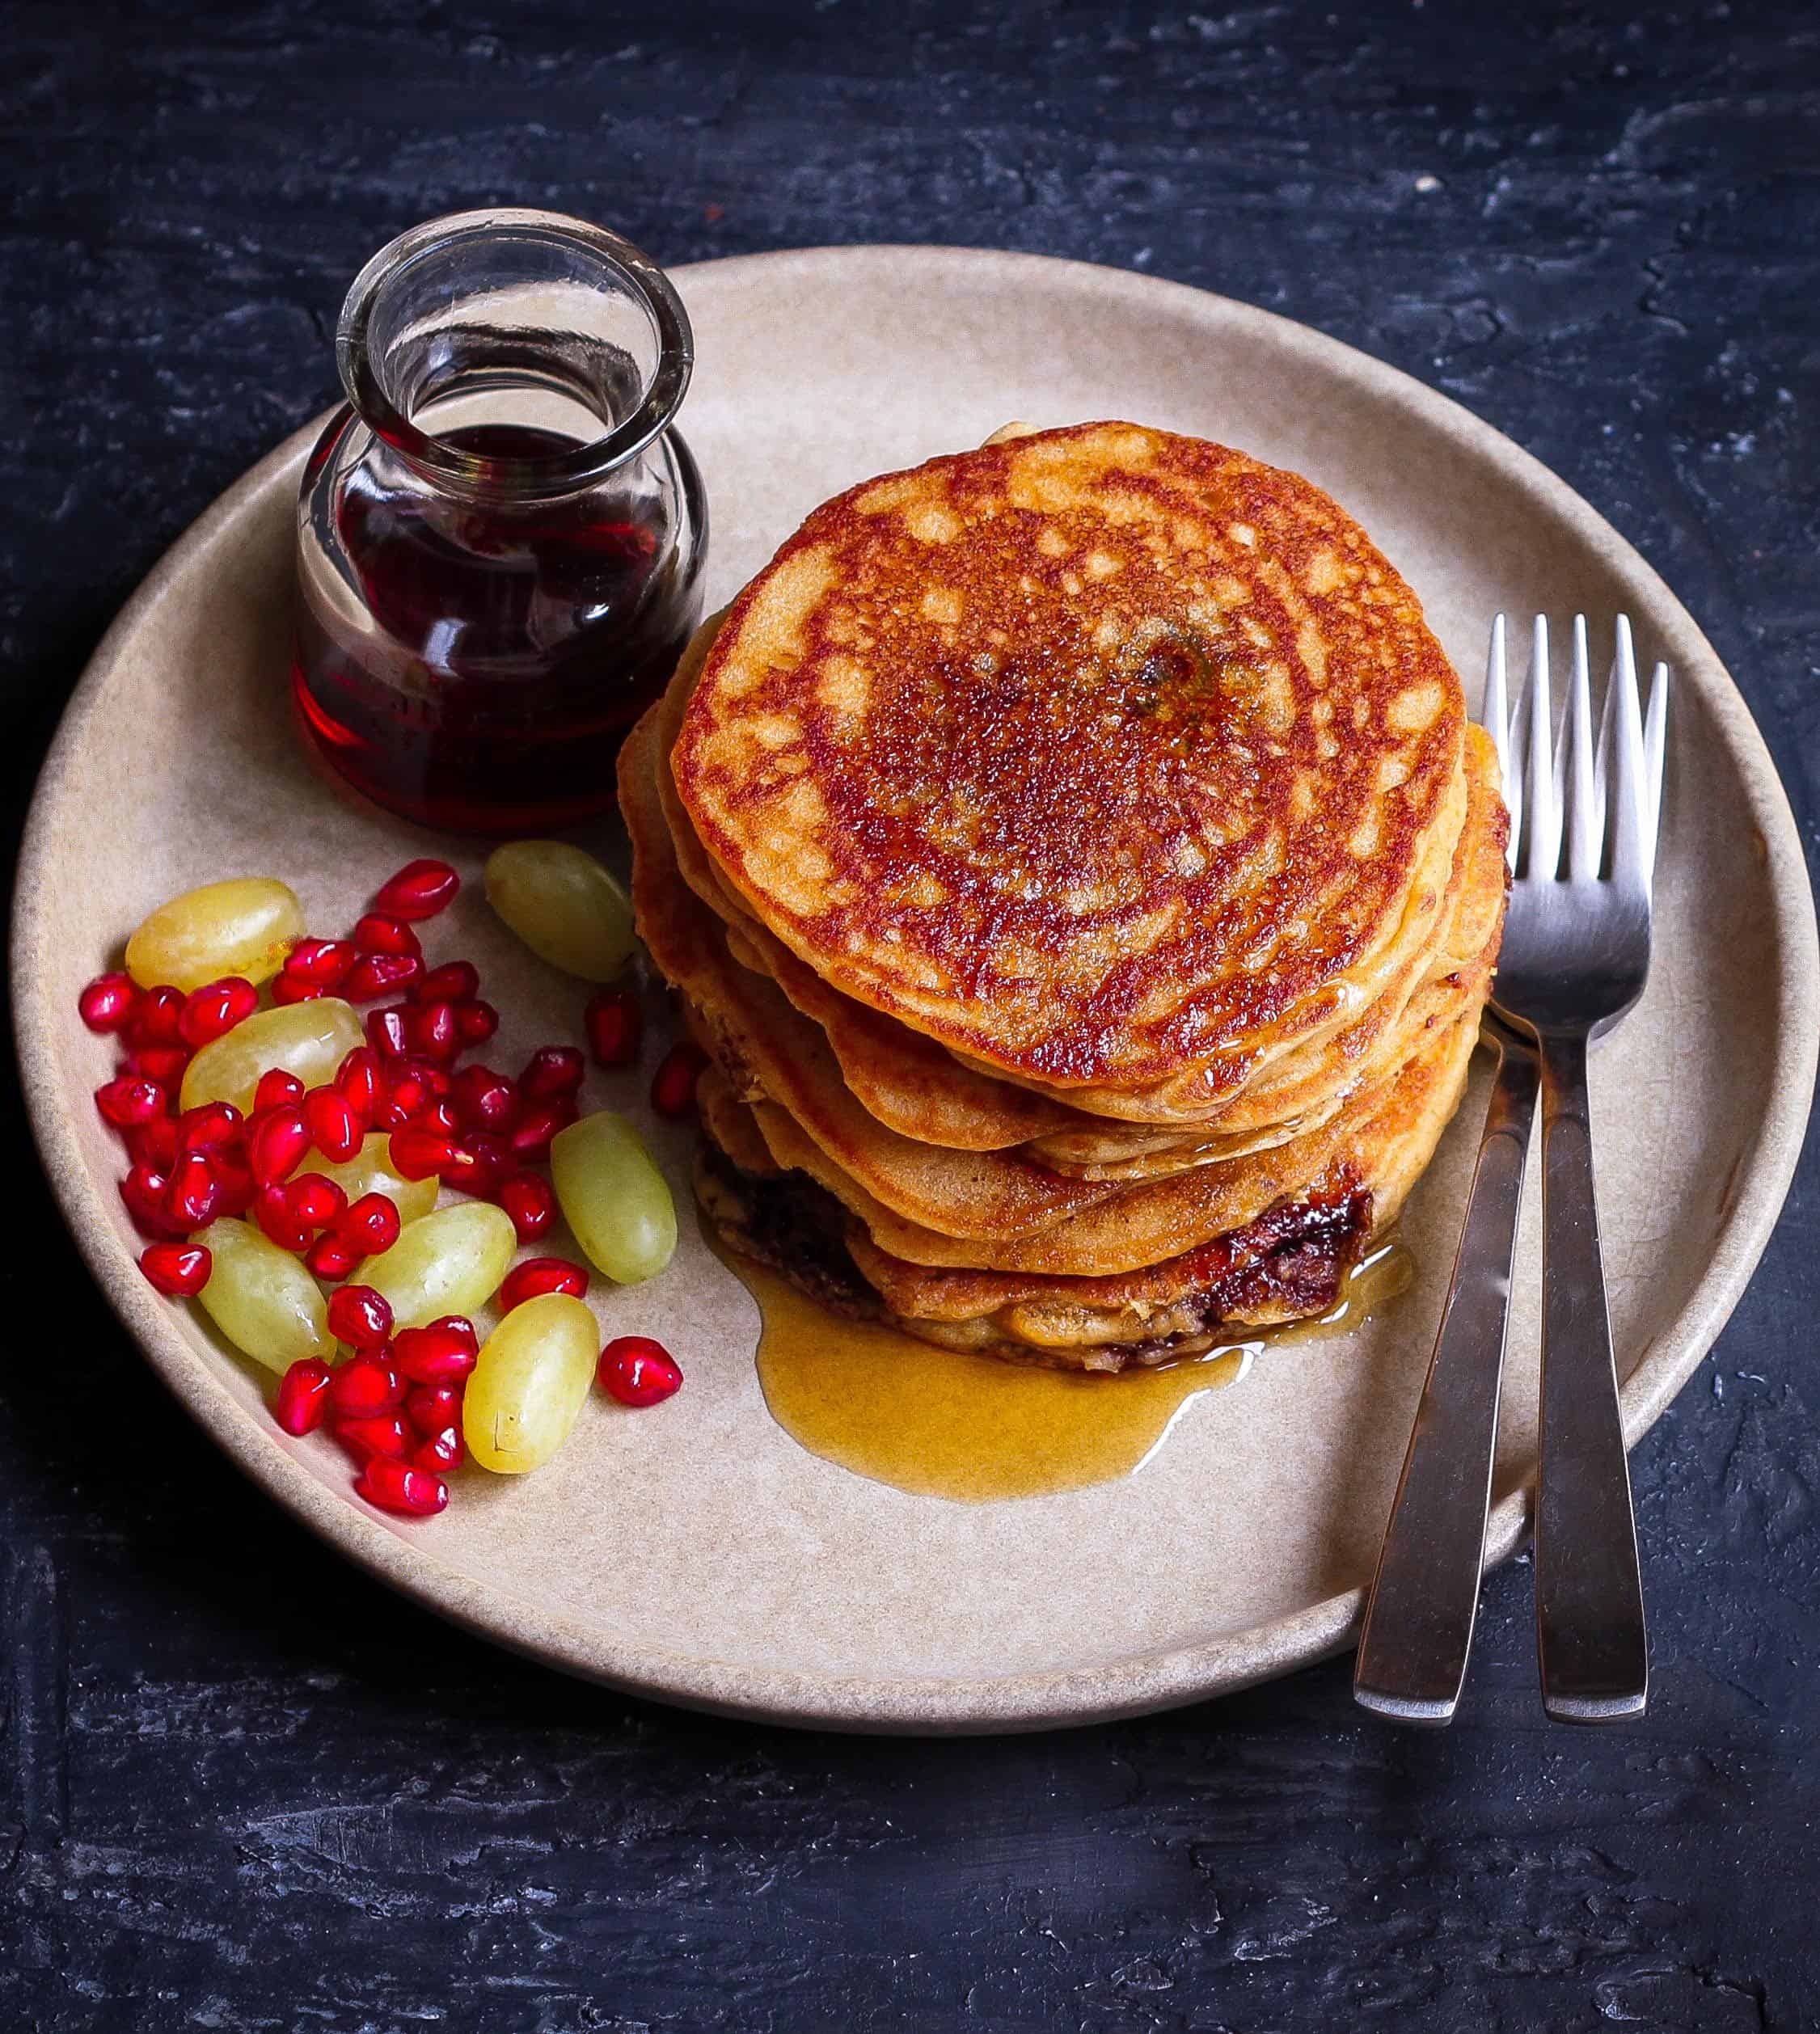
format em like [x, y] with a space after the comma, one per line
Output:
[154, 1144]
[380, 1436]
[393, 1487]
[215, 1126]
[360, 1317]
[420, 890]
[368, 1225]
[323, 962]
[488, 1162]
[276, 1089]
[438, 1354]
[430, 1408]
[461, 1327]
[444, 1449]
[180, 1271]
[358, 1077]
[475, 1022]
[303, 1395]
[539, 1275]
[130, 1101]
[553, 1070]
[157, 1017]
[329, 1257]
[164, 1064]
[364, 1386]
[272, 1210]
[237, 1184]
[143, 1190]
[293, 989]
[107, 1003]
[538, 1125]
[379, 974]
[484, 1100]
[673, 1087]
[455, 981]
[277, 1141]
[434, 1032]
[420, 1154]
[193, 1196]
[315, 1201]
[390, 1033]
[377, 933]
[615, 1026]
[439, 1118]
[215, 1009]
[530, 1203]
[639, 1372]
[334, 1129]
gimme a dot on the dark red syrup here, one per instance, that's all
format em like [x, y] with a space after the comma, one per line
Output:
[521, 641]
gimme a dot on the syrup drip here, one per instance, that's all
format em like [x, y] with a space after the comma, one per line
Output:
[973, 1429]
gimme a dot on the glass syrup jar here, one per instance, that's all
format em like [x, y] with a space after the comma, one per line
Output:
[501, 537]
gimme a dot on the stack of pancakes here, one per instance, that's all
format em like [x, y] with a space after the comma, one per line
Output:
[1075, 860]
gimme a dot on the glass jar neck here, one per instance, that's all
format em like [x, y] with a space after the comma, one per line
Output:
[514, 356]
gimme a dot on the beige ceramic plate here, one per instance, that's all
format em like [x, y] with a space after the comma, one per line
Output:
[767, 1582]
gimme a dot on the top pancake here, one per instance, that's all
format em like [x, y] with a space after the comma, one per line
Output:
[1100, 756]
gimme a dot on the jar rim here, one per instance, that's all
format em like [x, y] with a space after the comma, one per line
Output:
[558, 472]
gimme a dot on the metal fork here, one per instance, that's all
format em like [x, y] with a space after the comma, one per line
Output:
[1575, 957]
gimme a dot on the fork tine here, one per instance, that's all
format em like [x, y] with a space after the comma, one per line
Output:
[1625, 771]
[1655, 747]
[1542, 827]
[1574, 768]
[1494, 714]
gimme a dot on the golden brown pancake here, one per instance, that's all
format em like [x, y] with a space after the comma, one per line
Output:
[1106, 757]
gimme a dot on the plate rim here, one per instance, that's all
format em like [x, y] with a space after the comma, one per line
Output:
[1133, 1684]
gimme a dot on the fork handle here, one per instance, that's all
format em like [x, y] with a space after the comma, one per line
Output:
[1418, 1623]
[1590, 1639]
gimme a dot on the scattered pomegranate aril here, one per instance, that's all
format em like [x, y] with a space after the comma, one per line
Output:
[277, 1141]
[315, 1201]
[213, 1010]
[398, 1487]
[164, 1064]
[360, 1317]
[615, 1021]
[430, 1408]
[378, 933]
[529, 1200]
[180, 1271]
[439, 1115]
[131, 1100]
[475, 1022]
[538, 1124]
[303, 1395]
[455, 981]
[484, 1100]
[673, 1087]
[442, 1450]
[433, 1031]
[323, 962]
[157, 1017]
[143, 1190]
[358, 1078]
[365, 1384]
[236, 1182]
[212, 1127]
[389, 1031]
[193, 1196]
[272, 1211]
[553, 1070]
[639, 1372]
[379, 974]
[420, 890]
[489, 1162]
[539, 1275]
[293, 989]
[368, 1227]
[422, 1154]
[335, 1129]
[154, 1144]
[329, 1257]
[380, 1436]
[107, 1002]
[438, 1354]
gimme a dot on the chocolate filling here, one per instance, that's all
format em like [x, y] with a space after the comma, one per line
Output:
[1289, 1261]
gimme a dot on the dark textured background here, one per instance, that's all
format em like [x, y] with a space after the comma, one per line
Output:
[243, 1788]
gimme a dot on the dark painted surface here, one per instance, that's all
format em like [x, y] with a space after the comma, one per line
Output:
[244, 1789]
